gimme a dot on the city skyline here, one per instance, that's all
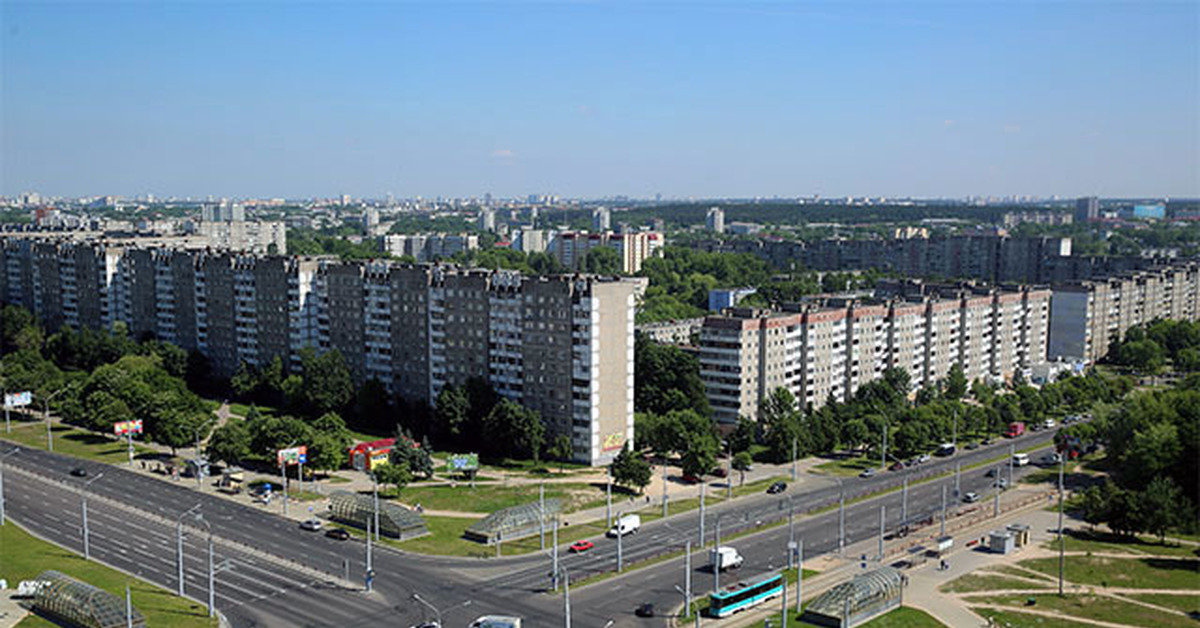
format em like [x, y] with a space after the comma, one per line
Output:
[690, 101]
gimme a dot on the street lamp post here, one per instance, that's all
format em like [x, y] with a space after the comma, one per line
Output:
[87, 553]
[375, 502]
[554, 556]
[46, 413]
[436, 612]
[664, 483]
[179, 543]
[566, 598]
[791, 529]
[799, 575]
[211, 591]
[716, 562]
[620, 535]
[841, 517]
[542, 515]
[13, 451]
[703, 540]
[687, 574]
[608, 498]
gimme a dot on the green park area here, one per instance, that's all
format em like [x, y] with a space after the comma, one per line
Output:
[26, 556]
[74, 442]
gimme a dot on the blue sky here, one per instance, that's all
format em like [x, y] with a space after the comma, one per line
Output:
[684, 99]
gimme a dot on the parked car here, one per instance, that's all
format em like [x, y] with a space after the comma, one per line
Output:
[79, 472]
[897, 466]
[991, 473]
[645, 610]
[310, 524]
[1001, 484]
[972, 446]
[1051, 459]
[337, 534]
[690, 479]
[867, 473]
[582, 546]
[777, 487]
[720, 472]
[971, 497]
[923, 458]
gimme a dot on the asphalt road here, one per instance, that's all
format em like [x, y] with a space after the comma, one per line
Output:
[261, 591]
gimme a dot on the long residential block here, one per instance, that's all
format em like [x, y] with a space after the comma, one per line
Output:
[823, 352]
[561, 345]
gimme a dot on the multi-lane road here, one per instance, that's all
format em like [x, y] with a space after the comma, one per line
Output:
[274, 574]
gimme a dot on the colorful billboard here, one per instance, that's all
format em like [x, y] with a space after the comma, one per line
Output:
[121, 428]
[293, 455]
[463, 462]
[17, 400]
[614, 441]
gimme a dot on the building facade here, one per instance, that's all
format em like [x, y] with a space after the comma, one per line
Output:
[561, 345]
[823, 352]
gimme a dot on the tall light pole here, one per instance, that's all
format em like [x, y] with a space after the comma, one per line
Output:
[882, 529]
[793, 458]
[179, 543]
[703, 539]
[608, 498]
[729, 469]
[716, 554]
[1062, 463]
[957, 479]
[566, 598]
[799, 575]
[13, 451]
[436, 612]
[375, 501]
[87, 554]
[841, 517]
[687, 575]
[791, 529]
[542, 515]
[904, 500]
[1011, 454]
[664, 483]
[620, 535]
[554, 556]
[687, 601]
[369, 578]
[46, 413]
[943, 533]
[211, 590]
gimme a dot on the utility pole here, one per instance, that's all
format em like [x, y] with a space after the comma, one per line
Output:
[687, 576]
[703, 539]
[1062, 463]
[46, 413]
[729, 470]
[783, 607]
[554, 556]
[800, 575]
[370, 569]
[608, 499]
[13, 451]
[904, 501]
[1011, 454]
[620, 556]
[664, 483]
[882, 526]
[179, 543]
[566, 598]
[211, 589]
[791, 529]
[542, 515]
[375, 499]
[128, 607]
[283, 486]
[841, 518]
[87, 554]
[957, 479]
[717, 557]
[943, 510]
[793, 458]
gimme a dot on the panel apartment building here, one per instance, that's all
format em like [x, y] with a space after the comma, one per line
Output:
[1087, 317]
[828, 351]
[561, 345]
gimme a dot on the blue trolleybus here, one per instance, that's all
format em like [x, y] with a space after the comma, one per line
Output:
[745, 594]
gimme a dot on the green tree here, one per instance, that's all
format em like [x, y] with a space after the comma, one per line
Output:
[602, 261]
[372, 406]
[561, 450]
[855, 433]
[956, 382]
[666, 378]
[1160, 505]
[411, 454]
[327, 383]
[450, 414]
[630, 469]
[781, 423]
[513, 430]
[230, 443]
[395, 475]
[742, 462]
[327, 450]
[1188, 360]
[743, 436]
[699, 456]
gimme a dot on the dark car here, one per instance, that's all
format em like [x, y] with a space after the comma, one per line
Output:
[991, 473]
[897, 466]
[337, 534]
[645, 610]
[690, 479]
[720, 472]
[972, 446]
[777, 487]
[79, 472]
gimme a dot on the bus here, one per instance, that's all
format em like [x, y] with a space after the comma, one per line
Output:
[745, 594]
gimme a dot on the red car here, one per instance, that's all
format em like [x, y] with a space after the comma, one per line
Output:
[690, 479]
[582, 546]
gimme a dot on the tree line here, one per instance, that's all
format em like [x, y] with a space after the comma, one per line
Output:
[1149, 348]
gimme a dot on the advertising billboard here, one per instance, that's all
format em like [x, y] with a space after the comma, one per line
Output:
[16, 400]
[121, 428]
[293, 455]
[614, 441]
[463, 462]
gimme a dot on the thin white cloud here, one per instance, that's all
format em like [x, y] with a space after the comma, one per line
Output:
[503, 153]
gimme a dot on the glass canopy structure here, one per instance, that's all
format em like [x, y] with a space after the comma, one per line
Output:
[78, 603]
[860, 599]
[514, 523]
[395, 521]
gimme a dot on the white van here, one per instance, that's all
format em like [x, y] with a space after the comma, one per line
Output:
[726, 557]
[496, 621]
[626, 525]
[1020, 460]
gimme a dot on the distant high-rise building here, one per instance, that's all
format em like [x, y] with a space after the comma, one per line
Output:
[487, 220]
[345, 199]
[370, 221]
[715, 220]
[1087, 208]
[601, 219]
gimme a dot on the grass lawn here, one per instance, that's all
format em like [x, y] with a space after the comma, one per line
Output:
[1096, 607]
[486, 498]
[445, 539]
[904, 617]
[1139, 573]
[1189, 603]
[24, 557]
[1013, 570]
[848, 466]
[1025, 620]
[75, 442]
[1100, 542]
[971, 583]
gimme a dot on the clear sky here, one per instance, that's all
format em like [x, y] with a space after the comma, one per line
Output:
[280, 99]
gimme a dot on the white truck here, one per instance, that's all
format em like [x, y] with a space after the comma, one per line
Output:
[726, 557]
[496, 621]
[626, 525]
